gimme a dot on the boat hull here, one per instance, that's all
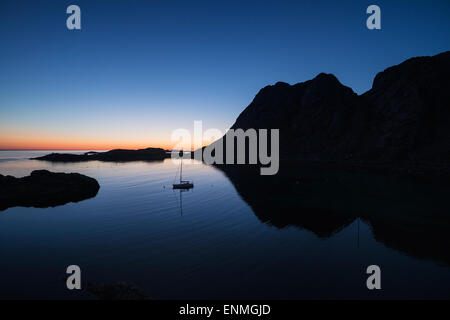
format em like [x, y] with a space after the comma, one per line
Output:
[183, 186]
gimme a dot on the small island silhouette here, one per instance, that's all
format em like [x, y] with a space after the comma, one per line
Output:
[43, 188]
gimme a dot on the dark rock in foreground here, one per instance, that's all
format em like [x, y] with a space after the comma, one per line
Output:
[148, 154]
[45, 189]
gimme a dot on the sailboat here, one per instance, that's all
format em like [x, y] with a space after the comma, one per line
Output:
[184, 184]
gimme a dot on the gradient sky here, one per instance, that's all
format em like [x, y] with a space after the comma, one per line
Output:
[140, 69]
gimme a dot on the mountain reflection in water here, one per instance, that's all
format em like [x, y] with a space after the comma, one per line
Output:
[406, 215]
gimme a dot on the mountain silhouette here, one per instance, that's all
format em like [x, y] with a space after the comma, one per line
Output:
[403, 119]
[319, 118]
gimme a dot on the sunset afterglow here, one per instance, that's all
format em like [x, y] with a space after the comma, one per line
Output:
[129, 78]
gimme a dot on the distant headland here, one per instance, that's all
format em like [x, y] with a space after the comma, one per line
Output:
[148, 154]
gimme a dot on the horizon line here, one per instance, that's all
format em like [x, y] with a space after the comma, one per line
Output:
[84, 149]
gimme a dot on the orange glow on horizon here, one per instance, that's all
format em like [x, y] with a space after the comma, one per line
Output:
[37, 145]
[17, 139]
[66, 144]
[75, 146]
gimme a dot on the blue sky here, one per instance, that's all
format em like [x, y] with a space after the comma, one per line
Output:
[139, 69]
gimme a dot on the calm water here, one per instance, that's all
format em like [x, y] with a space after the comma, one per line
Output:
[212, 244]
